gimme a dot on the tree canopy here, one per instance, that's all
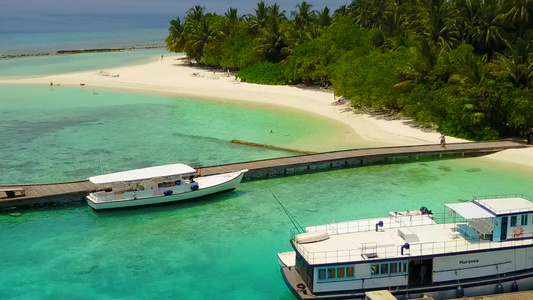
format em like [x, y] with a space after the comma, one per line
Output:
[465, 66]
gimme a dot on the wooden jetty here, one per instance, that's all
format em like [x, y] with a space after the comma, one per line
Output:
[357, 157]
[35, 194]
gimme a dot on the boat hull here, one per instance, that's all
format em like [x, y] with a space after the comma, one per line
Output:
[228, 185]
[472, 288]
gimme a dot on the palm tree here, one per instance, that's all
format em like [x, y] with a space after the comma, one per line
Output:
[196, 13]
[275, 12]
[272, 43]
[488, 35]
[517, 14]
[342, 11]
[424, 58]
[438, 22]
[468, 13]
[396, 24]
[259, 20]
[324, 17]
[229, 23]
[468, 69]
[303, 16]
[176, 39]
[200, 34]
[518, 67]
[369, 13]
[231, 14]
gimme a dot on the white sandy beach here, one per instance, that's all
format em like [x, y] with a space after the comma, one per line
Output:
[171, 76]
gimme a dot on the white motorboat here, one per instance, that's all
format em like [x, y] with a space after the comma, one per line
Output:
[476, 248]
[158, 184]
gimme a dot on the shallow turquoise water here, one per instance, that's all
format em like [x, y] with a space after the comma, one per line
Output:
[221, 247]
[35, 66]
[55, 134]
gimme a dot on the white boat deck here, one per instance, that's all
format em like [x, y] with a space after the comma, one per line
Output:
[508, 206]
[358, 240]
[212, 180]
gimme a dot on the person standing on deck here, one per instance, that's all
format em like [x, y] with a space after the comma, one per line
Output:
[442, 140]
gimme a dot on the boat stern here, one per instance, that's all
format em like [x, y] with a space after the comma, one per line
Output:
[90, 201]
[295, 283]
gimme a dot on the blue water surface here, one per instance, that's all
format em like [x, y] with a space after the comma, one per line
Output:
[221, 247]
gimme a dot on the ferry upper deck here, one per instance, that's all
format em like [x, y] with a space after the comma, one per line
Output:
[479, 225]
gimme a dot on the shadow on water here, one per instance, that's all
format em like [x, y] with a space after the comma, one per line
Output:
[81, 203]
[165, 207]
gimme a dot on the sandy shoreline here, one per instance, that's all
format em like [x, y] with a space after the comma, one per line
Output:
[171, 76]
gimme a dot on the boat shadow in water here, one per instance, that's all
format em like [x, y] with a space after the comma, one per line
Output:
[212, 199]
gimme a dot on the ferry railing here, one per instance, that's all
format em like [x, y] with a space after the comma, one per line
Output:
[415, 249]
[390, 222]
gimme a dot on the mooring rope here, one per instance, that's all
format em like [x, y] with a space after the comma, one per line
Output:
[288, 213]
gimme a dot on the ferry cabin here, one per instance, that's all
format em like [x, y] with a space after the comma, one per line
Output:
[486, 248]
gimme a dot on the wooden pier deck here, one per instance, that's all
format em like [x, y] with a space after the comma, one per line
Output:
[357, 157]
[74, 191]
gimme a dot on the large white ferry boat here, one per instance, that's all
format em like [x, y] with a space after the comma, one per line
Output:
[158, 184]
[475, 248]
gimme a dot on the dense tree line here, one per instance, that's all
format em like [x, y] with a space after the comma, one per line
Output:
[465, 66]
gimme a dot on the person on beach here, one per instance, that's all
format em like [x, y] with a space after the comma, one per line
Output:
[442, 140]
[161, 58]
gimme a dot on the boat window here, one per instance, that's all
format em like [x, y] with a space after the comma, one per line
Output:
[340, 272]
[350, 272]
[524, 220]
[513, 221]
[337, 273]
[322, 274]
[168, 184]
[403, 267]
[394, 268]
[374, 269]
[385, 269]
[331, 273]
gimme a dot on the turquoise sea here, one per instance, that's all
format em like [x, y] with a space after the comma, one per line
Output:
[220, 247]
[224, 246]
[34, 66]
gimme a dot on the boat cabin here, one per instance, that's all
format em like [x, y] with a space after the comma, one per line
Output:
[146, 182]
[493, 219]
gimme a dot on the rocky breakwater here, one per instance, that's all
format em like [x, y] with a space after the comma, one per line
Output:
[76, 51]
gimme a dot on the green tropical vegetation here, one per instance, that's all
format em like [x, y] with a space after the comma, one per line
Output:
[463, 66]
